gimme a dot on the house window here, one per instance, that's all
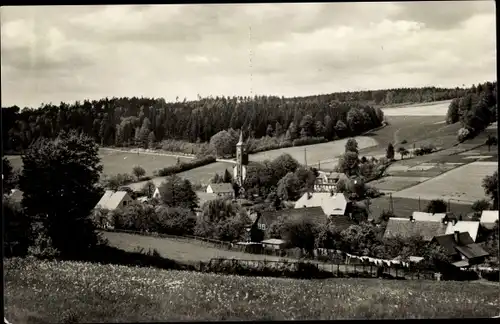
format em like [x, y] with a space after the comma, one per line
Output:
[124, 203]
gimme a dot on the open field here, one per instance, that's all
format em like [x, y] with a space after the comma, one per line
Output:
[438, 108]
[114, 162]
[181, 251]
[50, 292]
[200, 175]
[204, 173]
[404, 207]
[316, 152]
[391, 183]
[121, 162]
[462, 184]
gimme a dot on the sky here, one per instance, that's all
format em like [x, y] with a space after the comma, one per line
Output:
[69, 53]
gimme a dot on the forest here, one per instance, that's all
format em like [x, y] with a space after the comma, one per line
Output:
[475, 109]
[142, 121]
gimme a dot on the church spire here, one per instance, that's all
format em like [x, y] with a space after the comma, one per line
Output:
[240, 142]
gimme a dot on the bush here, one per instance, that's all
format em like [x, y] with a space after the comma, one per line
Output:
[424, 149]
[268, 143]
[185, 166]
[404, 141]
[199, 149]
[463, 134]
[114, 182]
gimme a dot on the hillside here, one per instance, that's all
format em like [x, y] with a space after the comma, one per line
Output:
[138, 121]
[38, 291]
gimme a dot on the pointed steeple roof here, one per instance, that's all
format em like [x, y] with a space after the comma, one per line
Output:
[240, 142]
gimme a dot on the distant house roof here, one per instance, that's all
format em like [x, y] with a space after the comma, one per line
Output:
[437, 217]
[464, 246]
[316, 214]
[111, 199]
[488, 218]
[221, 187]
[142, 199]
[406, 228]
[464, 226]
[16, 195]
[274, 241]
[332, 175]
[332, 204]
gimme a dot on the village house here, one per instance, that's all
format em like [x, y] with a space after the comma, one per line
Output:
[261, 222]
[470, 227]
[221, 189]
[406, 228]
[274, 244]
[112, 200]
[327, 181]
[333, 204]
[462, 249]
[430, 217]
[489, 218]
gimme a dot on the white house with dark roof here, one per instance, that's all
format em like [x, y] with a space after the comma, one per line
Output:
[470, 227]
[488, 218]
[112, 200]
[429, 217]
[327, 181]
[221, 189]
[333, 204]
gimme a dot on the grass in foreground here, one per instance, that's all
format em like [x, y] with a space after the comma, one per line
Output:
[42, 291]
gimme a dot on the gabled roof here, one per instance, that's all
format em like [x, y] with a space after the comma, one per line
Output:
[273, 241]
[437, 217]
[488, 217]
[464, 226]
[405, 228]
[316, 214]
[447, 241]
[221, 187]
[465, 245]
[111, 200]
[335, 204]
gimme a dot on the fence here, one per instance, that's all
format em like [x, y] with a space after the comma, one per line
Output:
[312, 269]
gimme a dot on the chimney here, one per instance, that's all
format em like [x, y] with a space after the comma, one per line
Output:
[455, 234]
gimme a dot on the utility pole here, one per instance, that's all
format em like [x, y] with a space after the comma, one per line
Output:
[418, 203]
[305, 156]
[391, 203]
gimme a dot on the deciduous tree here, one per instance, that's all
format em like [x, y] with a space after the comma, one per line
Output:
[59, 183]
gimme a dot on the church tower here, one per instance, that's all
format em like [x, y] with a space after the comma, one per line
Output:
[240, 169]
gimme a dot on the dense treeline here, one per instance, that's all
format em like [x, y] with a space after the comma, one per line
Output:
[145, 121]
[475, 109]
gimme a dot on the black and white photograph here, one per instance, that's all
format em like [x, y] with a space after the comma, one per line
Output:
[249, 161]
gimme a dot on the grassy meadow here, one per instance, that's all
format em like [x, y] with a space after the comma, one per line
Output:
[462, 184]
[115, 162]
[51, 291]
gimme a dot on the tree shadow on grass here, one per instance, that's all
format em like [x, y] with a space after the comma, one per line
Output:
[105, 254]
